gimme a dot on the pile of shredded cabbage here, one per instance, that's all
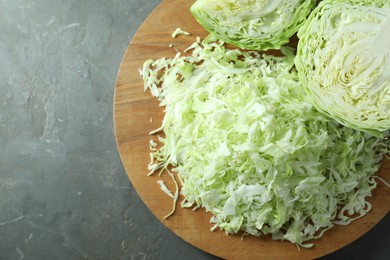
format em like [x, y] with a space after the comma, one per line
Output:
[249, 148]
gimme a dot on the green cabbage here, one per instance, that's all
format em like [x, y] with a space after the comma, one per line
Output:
[248, 147]
[252, 24]
[343, 60]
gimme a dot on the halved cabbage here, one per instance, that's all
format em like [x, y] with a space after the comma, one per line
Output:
[343, 60]
[252, 24]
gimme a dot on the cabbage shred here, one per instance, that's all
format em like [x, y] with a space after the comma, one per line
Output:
[249, 147]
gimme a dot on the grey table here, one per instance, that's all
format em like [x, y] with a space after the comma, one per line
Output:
[63, 191]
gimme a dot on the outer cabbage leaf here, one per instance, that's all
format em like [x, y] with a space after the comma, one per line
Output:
[375, 3]
[248, 147]
[252, 24]
[343, 60]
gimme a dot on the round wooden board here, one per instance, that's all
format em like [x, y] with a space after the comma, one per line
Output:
[136, 113]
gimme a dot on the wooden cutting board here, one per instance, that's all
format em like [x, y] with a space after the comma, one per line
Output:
[136, 113]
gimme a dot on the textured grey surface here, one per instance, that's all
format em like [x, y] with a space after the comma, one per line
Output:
[63, 191]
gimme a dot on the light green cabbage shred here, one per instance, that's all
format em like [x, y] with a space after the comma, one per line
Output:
[252, 24]
[343, 60]
[248, 147]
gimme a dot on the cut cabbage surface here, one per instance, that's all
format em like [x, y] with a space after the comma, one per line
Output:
[249, 148]
[252, 24]
[343, 61]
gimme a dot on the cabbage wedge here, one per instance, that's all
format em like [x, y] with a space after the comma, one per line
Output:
[252, 24]
[343, 60]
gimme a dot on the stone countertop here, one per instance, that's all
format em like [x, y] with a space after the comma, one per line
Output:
[63, 191]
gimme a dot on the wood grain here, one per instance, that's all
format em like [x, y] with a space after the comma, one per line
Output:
[136, 113]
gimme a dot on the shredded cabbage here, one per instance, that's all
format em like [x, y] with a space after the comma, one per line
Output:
[249, 148]
[179, 31]
[252, 24]
[343, 60]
